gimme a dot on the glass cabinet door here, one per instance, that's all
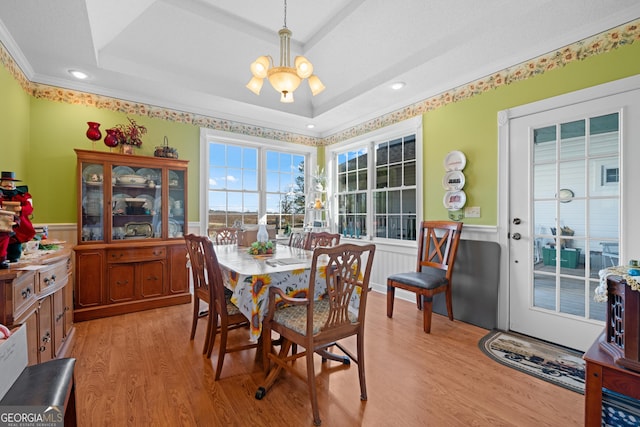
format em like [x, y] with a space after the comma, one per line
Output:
[136, 203]
[92, 215]
[176, 204]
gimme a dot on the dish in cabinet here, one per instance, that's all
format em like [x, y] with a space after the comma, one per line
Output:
[92, 175]
[120, 203]
[149, 174]
[137, 230]
[123, 170]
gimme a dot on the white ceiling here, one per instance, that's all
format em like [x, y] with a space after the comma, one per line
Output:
[194, 55]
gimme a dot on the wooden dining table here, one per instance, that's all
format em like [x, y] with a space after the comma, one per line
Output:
[250, 276]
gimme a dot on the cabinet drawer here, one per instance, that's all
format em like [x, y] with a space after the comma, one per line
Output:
[24, 292]
[136, 254]
[54, 275]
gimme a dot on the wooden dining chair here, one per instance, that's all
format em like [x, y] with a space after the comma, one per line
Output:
[323, 239]
[224, 235]
[298, 239]
[437, 250]
[314, 324]
[223, 315]
[201, 290]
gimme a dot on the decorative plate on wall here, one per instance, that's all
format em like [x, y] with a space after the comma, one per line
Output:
[454, 200]
[455, 161]
[453, 180]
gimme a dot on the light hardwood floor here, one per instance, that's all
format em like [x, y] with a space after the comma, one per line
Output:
[141, 370]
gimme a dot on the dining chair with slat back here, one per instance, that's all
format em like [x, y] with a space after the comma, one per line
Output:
[201, 290]
[314, 324]
[223, 315]
[322, 239]
[437, 249]
[224, 235]
[298, 239]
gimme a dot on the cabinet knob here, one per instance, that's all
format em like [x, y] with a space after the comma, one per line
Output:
[25, 293]
[42, 349]
[118, 282]
[47, 337]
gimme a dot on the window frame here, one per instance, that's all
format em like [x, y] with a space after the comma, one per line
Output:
[263, 145]
[369, 140]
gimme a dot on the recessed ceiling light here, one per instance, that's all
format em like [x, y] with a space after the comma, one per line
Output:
[398, 85]
[310, 126]
[80, 75]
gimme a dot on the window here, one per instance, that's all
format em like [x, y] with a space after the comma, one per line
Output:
[248, 181]
[233, 185]
[285, 190]
[376, 187]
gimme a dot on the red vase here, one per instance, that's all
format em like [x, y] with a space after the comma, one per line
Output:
[93, 133]
[111, 140]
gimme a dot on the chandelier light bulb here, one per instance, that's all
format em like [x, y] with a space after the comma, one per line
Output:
[260, 66]
[315, 85]
[255, 85]
[286, 97]
[304, 68]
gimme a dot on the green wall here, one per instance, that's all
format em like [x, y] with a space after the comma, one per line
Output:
[52, 130]
[14, 127]
[471, 127]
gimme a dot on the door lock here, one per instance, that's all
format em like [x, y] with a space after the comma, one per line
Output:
[516, 221]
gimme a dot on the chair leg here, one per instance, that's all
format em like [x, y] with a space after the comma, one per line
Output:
[427, 303]
[419, 301]
[212, 326]
[311, 381]
[363, 382]
[449, 303]
[194, 321]
[391, 292]
[223, 348]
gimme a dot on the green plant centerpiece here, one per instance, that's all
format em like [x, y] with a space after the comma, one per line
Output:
[262, 248]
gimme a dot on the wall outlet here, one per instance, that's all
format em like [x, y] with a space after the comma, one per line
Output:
[472, 212]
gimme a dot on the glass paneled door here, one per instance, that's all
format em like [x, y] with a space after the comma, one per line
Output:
[565, 204]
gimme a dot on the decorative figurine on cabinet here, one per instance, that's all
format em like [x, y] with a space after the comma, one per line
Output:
[18, 200]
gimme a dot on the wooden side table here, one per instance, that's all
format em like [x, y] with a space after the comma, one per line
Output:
[602, 372]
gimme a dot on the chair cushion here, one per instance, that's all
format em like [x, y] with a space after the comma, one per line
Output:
[428, 279]
[295, 316]
[231, 307]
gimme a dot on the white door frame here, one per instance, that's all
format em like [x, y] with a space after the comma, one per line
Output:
[628, 203]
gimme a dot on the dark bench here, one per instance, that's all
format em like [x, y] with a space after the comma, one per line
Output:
[49, 385]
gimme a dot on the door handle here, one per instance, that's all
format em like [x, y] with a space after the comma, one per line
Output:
[517, 236]
[516, 221]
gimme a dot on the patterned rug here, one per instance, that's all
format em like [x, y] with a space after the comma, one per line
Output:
[557, 365]
[551, 363]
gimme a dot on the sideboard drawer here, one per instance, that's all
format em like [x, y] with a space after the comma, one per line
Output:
[53, 276]
[136, 254]
[24, 292]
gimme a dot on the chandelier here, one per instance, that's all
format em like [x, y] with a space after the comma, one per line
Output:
[284, 79]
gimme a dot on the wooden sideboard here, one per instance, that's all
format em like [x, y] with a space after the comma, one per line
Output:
[38, 292]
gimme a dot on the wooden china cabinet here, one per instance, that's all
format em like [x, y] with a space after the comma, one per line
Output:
[132, 216]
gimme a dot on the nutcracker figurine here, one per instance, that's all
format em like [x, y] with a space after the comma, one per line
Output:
[18, 200]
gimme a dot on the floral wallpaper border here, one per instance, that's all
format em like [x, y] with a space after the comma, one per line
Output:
[595, 45]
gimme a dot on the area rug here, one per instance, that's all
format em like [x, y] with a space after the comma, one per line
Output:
[557, 365]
